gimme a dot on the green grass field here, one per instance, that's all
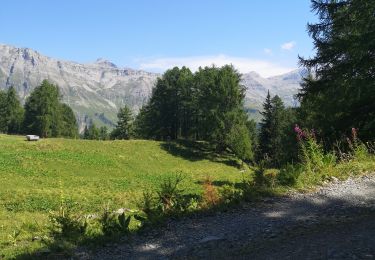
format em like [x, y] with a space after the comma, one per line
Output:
[89, 175]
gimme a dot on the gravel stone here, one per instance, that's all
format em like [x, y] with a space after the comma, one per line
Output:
[336, 221]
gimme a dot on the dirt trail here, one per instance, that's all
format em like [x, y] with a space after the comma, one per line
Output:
[335, 222]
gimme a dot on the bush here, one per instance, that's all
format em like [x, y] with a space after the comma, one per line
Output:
[170, 195]
[210, 195]
[266, 178]
[113, 223]
[289, 174]
[229, 194]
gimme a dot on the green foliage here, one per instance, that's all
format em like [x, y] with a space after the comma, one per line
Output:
[124, 127]
[113, 223]
[239, 140]
[170, 193]
[11, 112]
[65, 226]
[69, 127]
[91, 132]
[103, 133]
[46, 116]
[207, 106]
[265, 178]
[289, 174]
[339, 93]
[277, 142]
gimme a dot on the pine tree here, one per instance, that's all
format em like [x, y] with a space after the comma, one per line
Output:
[69, 127]
[205, 106]
[86, 133]
[265, 134]
[277, 123]
[42, 111]
[3, 112]
[220, 102]
[46, 116]
[123, 129]
[11, 112]
[340, 92]
[94, 132]
[272, 132]
[103, 133]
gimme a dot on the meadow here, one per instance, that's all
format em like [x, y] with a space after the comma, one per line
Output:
[87, 175]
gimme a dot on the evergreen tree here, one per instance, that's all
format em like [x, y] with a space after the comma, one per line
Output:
[205, 106]
[339, 94]
[103, 133]
[42, 111]
[86, 133]
[94, 132]
[220, 101]
[277, 123]
[69, 127]
[46, 116]
[123, 128]
[265, 134]
[3, 112]
[274, 128]
[91, 132]
[11, 112]
[240, 142]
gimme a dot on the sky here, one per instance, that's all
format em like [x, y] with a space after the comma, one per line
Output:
[265, 36]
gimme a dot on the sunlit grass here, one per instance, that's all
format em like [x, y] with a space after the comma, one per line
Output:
[88, 174]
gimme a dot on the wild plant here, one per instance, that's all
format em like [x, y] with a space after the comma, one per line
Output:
[170, 193]
[113, 223]
[13, 238]
[312, 155]
[65, 225]
[210, 194]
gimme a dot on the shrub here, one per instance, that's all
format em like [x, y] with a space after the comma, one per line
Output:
[210, 194]
[289, 174]
[169, 194]
[270, 176]
[151, 212]
[229, 194]
[316, 165]
[113, 223]
[66, 225]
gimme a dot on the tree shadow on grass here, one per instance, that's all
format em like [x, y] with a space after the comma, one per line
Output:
[197, 151]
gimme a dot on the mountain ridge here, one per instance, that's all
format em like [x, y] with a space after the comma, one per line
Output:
[96, 90]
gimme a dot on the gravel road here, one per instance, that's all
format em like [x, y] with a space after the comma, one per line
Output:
[337, 221]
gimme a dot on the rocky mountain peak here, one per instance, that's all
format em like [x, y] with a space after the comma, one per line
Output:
[105, 63]
[97, 90]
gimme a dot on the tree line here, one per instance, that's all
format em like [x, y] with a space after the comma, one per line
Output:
[43, 113]
[338, 95]
[208, 105]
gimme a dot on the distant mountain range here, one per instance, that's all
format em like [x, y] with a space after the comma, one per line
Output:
[97, 90]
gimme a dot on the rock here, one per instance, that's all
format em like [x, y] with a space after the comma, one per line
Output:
[209, 239]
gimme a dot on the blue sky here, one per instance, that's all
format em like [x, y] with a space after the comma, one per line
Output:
[265, 36]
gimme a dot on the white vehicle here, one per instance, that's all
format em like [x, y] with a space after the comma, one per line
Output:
[32, 137]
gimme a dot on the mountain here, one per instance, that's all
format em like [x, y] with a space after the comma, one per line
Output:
[285, 86]
[96, 91]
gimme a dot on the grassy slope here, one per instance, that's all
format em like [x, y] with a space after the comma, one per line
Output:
[33, 175]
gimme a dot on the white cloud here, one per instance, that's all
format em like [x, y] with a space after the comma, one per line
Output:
[267, 51]
[244, 65]
[288, 45]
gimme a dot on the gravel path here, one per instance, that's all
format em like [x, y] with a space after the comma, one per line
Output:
[335, 222]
